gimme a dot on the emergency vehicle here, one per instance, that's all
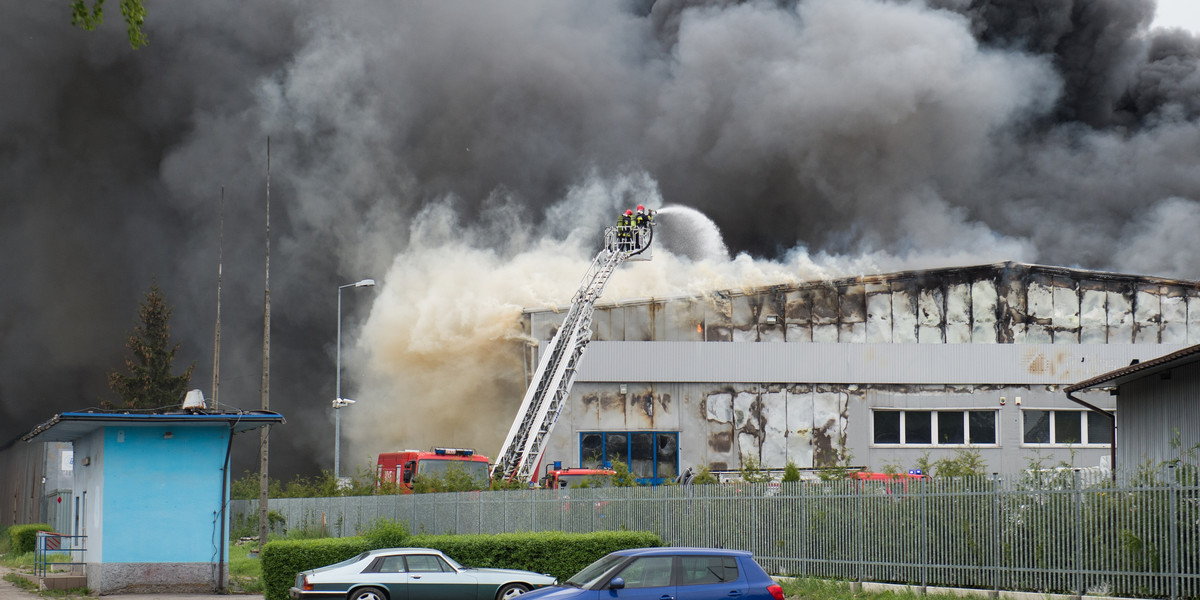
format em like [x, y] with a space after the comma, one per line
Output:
[558, 476]
[401, 467]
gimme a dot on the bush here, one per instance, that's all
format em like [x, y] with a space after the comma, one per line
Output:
[386, 533]
[281, 560]
[559, 554]
[556, 553]
[23, 538]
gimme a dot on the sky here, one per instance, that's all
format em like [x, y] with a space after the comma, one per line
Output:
[468, 157]
[1178, 13]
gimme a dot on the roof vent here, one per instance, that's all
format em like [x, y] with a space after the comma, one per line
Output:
[194, 400]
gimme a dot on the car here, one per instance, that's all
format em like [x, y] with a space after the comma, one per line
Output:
[658, 573]
[412, 574]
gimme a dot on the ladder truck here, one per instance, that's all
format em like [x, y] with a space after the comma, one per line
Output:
[551, 384]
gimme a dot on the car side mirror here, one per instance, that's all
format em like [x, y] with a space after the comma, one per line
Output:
[617, 583]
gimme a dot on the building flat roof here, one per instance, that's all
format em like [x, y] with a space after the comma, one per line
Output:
[70, 426]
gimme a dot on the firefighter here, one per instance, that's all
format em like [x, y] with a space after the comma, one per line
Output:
[641, 223]
[625, 231]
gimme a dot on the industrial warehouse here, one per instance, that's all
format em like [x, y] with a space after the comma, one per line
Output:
[880, 372]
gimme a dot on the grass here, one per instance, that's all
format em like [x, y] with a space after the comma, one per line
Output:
[245, 571]
[824, 589]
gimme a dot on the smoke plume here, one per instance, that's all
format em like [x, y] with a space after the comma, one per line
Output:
[468, 156]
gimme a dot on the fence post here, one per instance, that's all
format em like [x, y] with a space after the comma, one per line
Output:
[861, 533]
[803, 529]
[996, 553]
[923, 500]
[1173, 529]
[1078, 534]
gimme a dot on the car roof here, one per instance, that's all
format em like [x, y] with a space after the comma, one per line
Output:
[681, 550]
[403, 551]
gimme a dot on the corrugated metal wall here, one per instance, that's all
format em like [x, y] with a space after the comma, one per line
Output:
[1162, 421]
[985, 332]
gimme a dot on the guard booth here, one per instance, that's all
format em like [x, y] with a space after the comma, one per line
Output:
[149, 497]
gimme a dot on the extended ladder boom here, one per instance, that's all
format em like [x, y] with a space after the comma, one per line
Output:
[551, 383]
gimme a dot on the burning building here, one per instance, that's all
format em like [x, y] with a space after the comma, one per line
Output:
[877, 371]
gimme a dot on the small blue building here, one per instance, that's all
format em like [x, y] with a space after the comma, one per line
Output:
[149, 493]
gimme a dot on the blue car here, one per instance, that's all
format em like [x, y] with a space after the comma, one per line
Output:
[666, 574]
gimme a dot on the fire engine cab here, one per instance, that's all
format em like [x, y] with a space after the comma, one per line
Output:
[558, 476]
[401, 467]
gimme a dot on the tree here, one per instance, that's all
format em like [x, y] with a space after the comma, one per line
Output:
[134, 12]
[150, 383]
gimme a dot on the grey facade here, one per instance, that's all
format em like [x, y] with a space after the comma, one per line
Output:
[876, 371]
[1158, 409]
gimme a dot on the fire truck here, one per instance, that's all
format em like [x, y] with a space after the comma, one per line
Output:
[401, 467]
[558, 476]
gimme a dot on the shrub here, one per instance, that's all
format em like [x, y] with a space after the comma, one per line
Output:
[559, 554]
[386, 533]
[23, 538]
[281, 560]
[556, 553]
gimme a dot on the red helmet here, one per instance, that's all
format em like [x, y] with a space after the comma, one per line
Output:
[641, 208]
[628, 213]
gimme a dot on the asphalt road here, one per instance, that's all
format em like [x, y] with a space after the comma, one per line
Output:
[10, 591]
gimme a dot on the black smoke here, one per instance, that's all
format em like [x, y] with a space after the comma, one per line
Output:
[1067, 129]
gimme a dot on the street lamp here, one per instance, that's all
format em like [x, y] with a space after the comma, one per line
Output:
[338, 400]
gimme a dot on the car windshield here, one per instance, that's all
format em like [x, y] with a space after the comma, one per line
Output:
[585, 481]
[440, 466]
[592, 573]
[454, 563]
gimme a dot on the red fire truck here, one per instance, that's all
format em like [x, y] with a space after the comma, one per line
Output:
[401, 467]
[558, 476]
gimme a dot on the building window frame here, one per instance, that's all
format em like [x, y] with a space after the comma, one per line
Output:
[1053, 414]
[659, 473]
[934, 416]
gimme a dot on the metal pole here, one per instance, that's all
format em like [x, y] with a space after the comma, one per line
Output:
[1173, 529]
[337, 398]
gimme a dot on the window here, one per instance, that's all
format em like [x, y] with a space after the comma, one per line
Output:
[934, 428]
[426, 563]
[647, 571]
[392, 564]
[652, 456]
[703, 570]
[1066, 427]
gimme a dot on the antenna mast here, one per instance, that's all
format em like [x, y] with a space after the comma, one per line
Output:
[263, 439]
[216, 381]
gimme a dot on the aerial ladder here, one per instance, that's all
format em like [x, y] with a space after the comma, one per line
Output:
[551, 384]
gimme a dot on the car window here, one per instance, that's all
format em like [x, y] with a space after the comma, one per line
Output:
[700, 570]
[392, 564]
[426, 563]
[647, 571]
[591, 574]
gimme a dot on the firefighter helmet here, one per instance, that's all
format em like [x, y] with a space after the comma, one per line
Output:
[628, 213]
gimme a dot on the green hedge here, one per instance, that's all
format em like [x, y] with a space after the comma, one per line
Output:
[23, 538]
[559, 554]
[281, 560]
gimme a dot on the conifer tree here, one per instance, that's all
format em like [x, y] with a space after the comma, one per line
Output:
[149, 382]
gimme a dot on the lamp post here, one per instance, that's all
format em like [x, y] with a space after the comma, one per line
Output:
[338, 400]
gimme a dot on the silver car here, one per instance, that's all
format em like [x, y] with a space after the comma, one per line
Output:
[412, 574]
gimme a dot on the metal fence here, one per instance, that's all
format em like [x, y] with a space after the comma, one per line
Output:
[1049, 533]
